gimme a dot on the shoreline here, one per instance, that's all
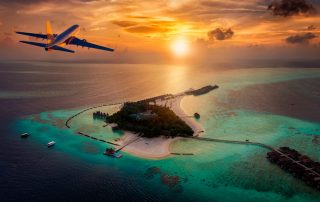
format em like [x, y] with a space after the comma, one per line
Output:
[159, 147]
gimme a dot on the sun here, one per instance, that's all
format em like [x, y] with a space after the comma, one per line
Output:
[180, 47]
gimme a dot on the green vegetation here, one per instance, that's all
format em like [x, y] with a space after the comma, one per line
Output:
[100, 115]
[196, 115]
[150, 120]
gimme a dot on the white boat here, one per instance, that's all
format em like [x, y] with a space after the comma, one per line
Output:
[50, 144]
[24, 135]
[117, 155]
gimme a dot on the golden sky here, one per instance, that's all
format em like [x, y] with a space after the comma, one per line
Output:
[139, 26]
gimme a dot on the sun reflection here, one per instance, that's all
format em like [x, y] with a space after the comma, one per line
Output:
[177, 78]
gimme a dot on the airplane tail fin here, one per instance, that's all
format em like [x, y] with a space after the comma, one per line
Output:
[49, 32]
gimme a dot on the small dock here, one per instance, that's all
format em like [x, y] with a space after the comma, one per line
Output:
[97, 139]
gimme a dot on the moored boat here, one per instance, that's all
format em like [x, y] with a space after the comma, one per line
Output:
[24, 135]
[112, 152]
[50, 144]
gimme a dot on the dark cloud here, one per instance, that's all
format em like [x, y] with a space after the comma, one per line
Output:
[23, 2]
[291, 7]
[216, 34]
[301, 38]
[220, 34]
[43, 1]
[311, 27]
[20, 1]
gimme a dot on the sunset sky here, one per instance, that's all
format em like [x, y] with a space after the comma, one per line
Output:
[140, 29]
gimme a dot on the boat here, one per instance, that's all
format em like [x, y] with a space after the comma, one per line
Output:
[24, 135]
[117, 155]
[50, 144]
[111, 152]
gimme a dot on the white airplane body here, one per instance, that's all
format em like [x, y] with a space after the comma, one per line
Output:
[56, 42]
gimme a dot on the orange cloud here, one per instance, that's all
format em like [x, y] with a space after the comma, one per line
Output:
[143, 24]
[124, 23]
[146, 29]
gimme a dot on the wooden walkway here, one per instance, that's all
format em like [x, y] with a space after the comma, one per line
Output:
[233, 142]
[123, 146]
[175, 153]
[94, 138]
[67, 123]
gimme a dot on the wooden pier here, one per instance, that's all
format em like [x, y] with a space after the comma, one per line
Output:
[187, 154]
[97, 139]
[232, 142]
[126, 144]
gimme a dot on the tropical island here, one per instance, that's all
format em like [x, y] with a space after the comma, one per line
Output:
[150, 120]
[148, 127]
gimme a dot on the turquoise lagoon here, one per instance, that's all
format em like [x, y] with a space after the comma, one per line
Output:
[216, 171]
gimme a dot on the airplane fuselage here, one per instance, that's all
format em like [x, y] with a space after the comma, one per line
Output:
[62, 38]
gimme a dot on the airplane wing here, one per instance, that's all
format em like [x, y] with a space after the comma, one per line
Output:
[84, 43]
[34, 43]
[59, 48]
[45, 45]
[41, 36]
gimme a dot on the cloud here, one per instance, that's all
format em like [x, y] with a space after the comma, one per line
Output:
[98, 28]
[7, 33]
[291, 7]
[124, 23]
[7, 42]
[301, 38]
[216, 34]
[311, 27]
[146, 29]
[161, 21]
[200, 43]
[220, 34]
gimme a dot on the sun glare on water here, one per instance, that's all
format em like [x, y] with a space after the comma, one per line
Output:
[180, 47]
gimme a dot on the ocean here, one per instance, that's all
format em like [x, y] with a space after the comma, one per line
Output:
[277, 106]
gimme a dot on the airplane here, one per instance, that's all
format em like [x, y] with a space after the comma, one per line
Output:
[58, 41]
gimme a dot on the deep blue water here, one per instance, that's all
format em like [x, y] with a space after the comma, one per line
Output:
[29, 171]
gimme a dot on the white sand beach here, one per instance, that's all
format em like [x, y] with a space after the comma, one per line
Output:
[156, 148]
